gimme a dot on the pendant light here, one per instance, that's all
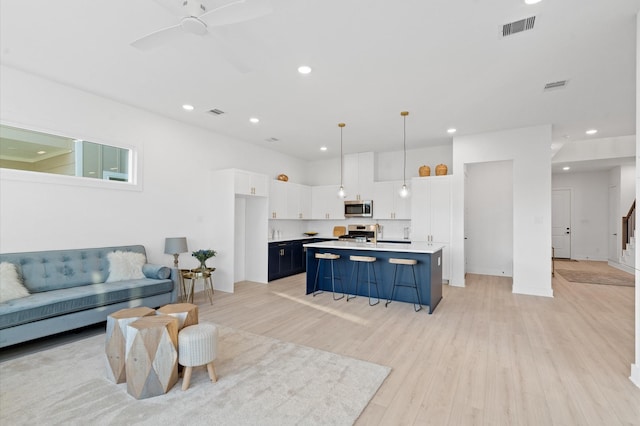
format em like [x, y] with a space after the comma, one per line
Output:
[404, 191]
[341, 192]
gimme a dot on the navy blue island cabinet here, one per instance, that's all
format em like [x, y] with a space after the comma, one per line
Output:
[428, 269]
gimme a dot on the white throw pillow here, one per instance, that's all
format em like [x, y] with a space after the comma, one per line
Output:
[10, 285]
[125, 265]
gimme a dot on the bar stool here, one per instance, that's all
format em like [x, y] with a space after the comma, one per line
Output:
[406, 262]
[331, 258]
[368, 260]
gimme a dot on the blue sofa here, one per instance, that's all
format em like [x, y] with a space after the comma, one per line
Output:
[68, 291]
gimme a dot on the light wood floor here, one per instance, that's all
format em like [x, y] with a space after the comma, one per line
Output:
[486, 356]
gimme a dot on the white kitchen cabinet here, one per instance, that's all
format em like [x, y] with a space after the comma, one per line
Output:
[304, 202]
[289, 200]
[358, 176]
[387, 202]
[278, 199]
[431, 214]
[325, 203]
[248, 183]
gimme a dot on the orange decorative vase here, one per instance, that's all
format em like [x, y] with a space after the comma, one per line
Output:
[424, 171]
[441, 170]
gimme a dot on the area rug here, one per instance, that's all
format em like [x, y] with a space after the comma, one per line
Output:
[261, 381]
[603, 278]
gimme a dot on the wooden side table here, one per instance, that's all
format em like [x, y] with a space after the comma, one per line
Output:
[116, 338]
[152, 356]
[187, 313]
[195, 274]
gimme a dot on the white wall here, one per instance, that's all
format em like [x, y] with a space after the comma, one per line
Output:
[589, 213]
[176, 161]
[489, 218]
[530, 150]
[387, 165]
[635, 368]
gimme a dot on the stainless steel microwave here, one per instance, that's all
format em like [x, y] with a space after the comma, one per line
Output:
[358, 208]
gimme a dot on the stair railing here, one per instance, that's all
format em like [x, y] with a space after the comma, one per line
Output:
[628, 225]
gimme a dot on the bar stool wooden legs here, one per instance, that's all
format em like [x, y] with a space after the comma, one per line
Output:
[368, 260]
[406, 262]
[331, 258]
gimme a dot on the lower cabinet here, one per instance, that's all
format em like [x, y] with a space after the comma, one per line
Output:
[286, 258]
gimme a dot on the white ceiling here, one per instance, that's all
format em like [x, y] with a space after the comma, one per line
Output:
[443, 60]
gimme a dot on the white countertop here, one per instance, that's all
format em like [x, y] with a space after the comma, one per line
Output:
[415, 247]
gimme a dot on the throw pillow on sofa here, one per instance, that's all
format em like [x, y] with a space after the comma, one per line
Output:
[10, 285]
[125, 265]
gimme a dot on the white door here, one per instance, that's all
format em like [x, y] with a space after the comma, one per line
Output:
[561, 223]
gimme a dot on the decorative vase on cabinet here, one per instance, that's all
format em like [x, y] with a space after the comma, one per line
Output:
[424, 171]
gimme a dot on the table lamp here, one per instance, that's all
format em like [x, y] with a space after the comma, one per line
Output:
[175, 246]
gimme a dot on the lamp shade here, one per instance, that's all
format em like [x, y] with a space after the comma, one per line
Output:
[175, 245]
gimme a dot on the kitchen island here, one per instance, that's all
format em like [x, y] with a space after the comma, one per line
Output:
[428, 269]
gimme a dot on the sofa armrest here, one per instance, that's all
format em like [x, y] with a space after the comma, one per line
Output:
[156, 272]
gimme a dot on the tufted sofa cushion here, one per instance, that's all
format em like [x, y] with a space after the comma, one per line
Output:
[58, 269]
[53, 303]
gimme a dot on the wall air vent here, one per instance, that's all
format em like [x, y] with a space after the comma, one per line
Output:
[216, 111]
[518, 26]
[556, 85]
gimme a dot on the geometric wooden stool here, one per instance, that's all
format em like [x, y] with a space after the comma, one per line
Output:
[152, 356]
[187, 313]
[115, 343]
[198, 345]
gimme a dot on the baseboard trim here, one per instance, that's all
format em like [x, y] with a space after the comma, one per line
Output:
[532, 291]
[635, 374]
[622, 267]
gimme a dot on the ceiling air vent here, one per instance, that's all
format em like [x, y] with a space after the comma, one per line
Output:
[556, 85]
[518, 26]
[216, 111]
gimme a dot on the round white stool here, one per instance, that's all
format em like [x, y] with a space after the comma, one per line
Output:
[197, 345]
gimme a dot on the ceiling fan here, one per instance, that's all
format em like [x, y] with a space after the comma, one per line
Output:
[196, 18]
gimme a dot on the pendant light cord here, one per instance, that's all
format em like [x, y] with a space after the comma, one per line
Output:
[404, 146]
[341, 125]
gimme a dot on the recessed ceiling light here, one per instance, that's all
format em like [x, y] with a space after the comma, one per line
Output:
[187, 107]
[451, 130]
[591, 132]
[532, 1]
[566, 168]
[323, 148]
[254, 120]
[304, 69]
[41, 152]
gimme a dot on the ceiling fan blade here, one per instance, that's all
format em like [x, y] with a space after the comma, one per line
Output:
[157, 38]
[236, 11]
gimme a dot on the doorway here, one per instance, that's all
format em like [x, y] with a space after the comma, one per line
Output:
[488, 214]
[561, 223]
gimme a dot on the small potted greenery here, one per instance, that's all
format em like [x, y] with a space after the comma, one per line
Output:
[202, 256]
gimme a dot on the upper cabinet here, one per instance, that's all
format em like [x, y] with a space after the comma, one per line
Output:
[387, 202]
[358, 176]
[289, 200]
[325, 203]
[248, 183]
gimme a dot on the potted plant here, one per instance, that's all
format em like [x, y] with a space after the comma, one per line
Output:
[202, 256]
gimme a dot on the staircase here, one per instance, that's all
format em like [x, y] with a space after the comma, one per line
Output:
[628, 260]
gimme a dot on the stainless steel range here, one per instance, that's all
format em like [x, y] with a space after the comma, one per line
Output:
[361, 233]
